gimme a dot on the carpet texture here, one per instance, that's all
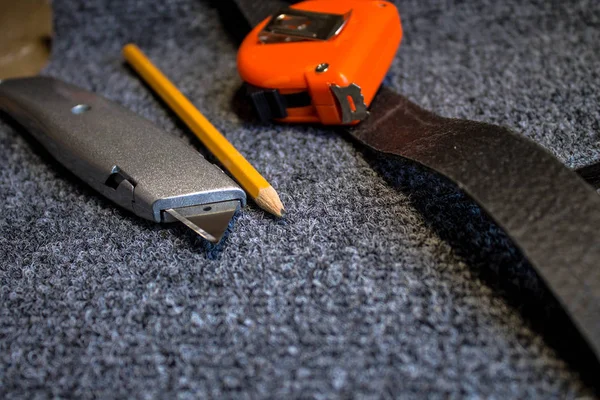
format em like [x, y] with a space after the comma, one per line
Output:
[382, 281]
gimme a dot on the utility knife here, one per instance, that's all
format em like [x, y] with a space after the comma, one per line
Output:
[123, 156]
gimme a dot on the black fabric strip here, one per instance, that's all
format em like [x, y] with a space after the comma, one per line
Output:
[551, 214]
[591, 174]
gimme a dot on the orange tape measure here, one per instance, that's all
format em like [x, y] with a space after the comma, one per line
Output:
[320, 61]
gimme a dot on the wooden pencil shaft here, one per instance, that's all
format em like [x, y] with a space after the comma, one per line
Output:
[247, 176]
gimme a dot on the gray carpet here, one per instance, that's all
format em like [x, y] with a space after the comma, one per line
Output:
[382, 281]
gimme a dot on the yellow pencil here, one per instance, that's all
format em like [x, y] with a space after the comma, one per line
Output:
[253, 183]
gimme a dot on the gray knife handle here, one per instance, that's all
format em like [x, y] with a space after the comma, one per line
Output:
[121, 155]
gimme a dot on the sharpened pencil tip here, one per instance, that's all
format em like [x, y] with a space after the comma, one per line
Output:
[268, 200]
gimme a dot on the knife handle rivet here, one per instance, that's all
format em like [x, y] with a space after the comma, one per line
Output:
[80, 109]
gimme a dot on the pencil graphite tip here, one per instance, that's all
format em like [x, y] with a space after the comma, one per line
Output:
[279, 213]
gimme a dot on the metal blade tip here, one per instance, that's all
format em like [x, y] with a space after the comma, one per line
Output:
[208, 220]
